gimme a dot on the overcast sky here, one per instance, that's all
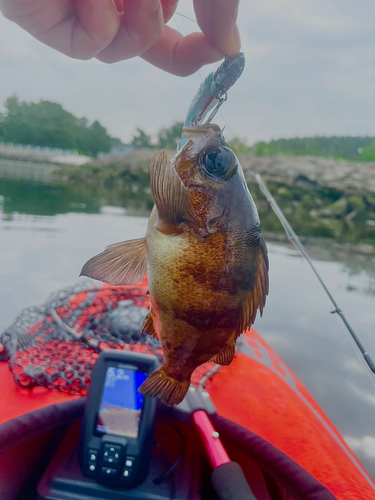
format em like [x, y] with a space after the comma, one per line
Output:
[310, 70]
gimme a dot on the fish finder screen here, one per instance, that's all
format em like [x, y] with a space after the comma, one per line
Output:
[121, 404]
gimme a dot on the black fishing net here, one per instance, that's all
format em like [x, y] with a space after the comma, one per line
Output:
[56, 345]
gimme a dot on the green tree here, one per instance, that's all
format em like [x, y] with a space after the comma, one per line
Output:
[2, 127]
[98, 139]
[367, 153]
[330, 147]
[115, 141]
[47, 123]
[261, 149]
[239, 146]
[141, 140]
[168, 137]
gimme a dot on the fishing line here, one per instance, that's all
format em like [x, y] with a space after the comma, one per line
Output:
[175, 20]
[182, 15]
[294, 239]
[198, 72]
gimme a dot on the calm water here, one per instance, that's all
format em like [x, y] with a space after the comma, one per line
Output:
[46, 234]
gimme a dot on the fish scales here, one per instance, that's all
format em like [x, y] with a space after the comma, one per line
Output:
[206, 260]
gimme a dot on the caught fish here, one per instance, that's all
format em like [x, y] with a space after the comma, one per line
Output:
[206, 260]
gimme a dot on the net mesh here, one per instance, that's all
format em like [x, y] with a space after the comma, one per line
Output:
[56, 345]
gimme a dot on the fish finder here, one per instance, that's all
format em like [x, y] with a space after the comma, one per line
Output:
[118, 424]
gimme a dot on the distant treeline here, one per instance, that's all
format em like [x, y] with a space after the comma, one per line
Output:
[343, 148]
[346, 148]
[47, 123]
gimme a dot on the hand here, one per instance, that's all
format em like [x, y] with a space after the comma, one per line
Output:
[114, 30]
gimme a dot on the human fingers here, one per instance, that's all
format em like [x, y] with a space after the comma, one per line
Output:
[180, 55]
[169, 7]
[140, 28]
[36, 15]
[78, 28]
[96, 25]
[217, 20]
[85, 28]
[119, 5]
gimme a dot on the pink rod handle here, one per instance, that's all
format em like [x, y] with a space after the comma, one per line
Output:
[214, 447]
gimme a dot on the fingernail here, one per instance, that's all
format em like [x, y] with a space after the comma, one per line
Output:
[155, 4]
[236, 39]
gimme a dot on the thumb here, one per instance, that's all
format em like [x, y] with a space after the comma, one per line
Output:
[217, 20]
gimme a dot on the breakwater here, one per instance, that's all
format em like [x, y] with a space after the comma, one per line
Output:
[33, 162]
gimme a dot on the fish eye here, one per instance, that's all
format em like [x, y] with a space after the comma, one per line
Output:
[219, 162]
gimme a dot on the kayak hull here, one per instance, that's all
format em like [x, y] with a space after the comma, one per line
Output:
[267, 419]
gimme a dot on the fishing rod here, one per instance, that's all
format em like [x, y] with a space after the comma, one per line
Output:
[293, 238]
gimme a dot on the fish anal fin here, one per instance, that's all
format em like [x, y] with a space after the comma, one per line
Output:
[166, 388]
[169, 192]
[123, 263]
[148, 326]
[256, 298]
[225, 356]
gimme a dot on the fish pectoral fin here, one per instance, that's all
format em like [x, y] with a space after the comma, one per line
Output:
[123, 263]
[164, 387]
[257, 296]
[169, 192]
[225, 356]
[148, 326]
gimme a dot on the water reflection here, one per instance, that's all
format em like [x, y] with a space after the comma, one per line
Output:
[42, 199]
[298, 324]
[34, 198]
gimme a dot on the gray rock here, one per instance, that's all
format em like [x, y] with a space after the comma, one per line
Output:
[312, 172]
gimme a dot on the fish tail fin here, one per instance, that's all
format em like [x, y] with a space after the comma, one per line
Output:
[164, 387]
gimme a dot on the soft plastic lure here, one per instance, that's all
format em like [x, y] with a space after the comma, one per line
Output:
[213, 91]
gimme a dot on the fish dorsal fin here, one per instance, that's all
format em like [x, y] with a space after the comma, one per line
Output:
[170, 195]
[123, 263]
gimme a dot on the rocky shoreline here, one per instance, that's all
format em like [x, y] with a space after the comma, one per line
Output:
[312, 172]
[319, 196]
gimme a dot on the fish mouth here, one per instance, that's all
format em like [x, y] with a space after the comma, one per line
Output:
[201, 136]
[209, 130]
